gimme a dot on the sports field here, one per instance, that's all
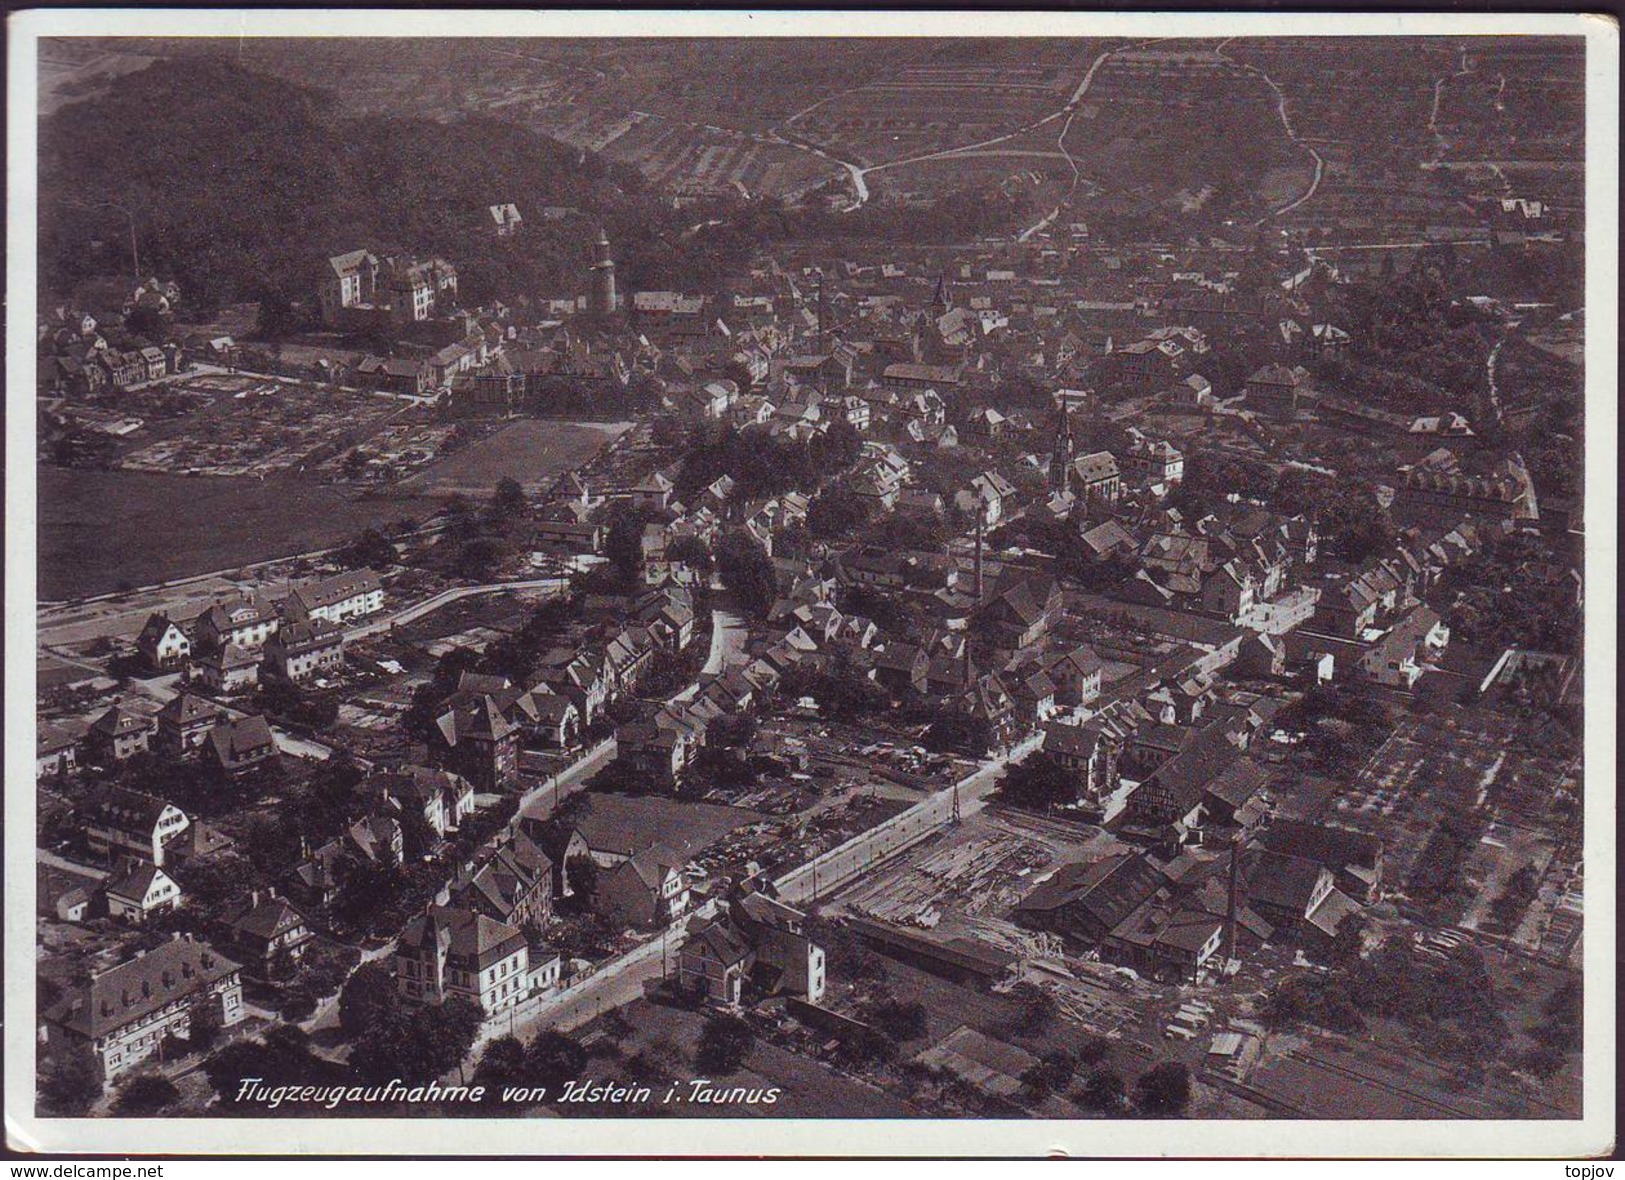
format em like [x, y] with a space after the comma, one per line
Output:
[532, 451]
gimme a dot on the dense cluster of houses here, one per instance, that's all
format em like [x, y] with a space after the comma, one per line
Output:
[223, 651]
[1129, 689]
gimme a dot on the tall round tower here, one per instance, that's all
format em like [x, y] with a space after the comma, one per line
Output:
[602, 300]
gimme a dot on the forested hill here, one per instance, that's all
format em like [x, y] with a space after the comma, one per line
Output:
[240, 184]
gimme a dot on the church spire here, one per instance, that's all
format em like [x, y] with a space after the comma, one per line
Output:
[940, 303]
[1060, 463]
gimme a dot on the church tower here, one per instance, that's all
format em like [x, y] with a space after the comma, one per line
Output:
[602, 300]
[941, 305]
[1060, 462]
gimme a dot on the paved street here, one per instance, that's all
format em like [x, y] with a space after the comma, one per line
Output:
[844, 863]
[416, 611]
[621, 980]
[728, 638]
[541, 799]
[618, 982]
[67, 866]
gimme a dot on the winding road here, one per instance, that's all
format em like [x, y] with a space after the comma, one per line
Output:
[1286, 123]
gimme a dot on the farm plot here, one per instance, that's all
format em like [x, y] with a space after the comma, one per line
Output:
[931, 109]
[269, 426]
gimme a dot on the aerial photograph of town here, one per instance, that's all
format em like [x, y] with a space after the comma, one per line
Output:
[780, 578]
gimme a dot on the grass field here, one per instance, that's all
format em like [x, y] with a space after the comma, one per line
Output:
[533, 452]
[99, 529]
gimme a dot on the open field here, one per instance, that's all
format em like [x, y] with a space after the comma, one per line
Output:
[1417, 124]
[808, 1089]
[99, 530]
[532, 452]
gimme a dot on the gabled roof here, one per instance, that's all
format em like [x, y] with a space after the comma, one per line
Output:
[126, 810]
[266, 918]
[421, 784]
[155, 628]
[471, 938]
[186, 709]
[339, 588]
[1238, 782]
[480, 718]
[1275, 375]
[1187, 774]
[1281, 880]
[134, 990]
[1105, 891]
[239, 740]
[722, 940]
[1330, 846]
[121, 722]
[135, 880]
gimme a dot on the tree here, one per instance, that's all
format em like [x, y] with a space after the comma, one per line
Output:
[399, 1042]
[554, 1058]
[900, 1020]
[145, 1094]
[1562, 1015]
[1163, 1091]
[477, 558]
[1040, 782]
[747, 570]
[623, 541]
[1035, 1008]
[508, 505]
[73, 1080]
[370, 548]
[1052, 1074]
[836, 512]
[203, 1026]
[282, 1056]
[367, 993]
[502, 1064]
[582, 873]
[724, 1043]
[1103, 1091]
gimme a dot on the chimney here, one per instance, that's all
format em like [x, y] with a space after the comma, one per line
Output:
[1230, 908]
[253, 899]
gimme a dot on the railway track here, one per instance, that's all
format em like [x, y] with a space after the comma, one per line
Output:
[1443, 1109]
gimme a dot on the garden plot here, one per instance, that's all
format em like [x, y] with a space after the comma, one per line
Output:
[1455, 806]
[268, 426]
[391, 454]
